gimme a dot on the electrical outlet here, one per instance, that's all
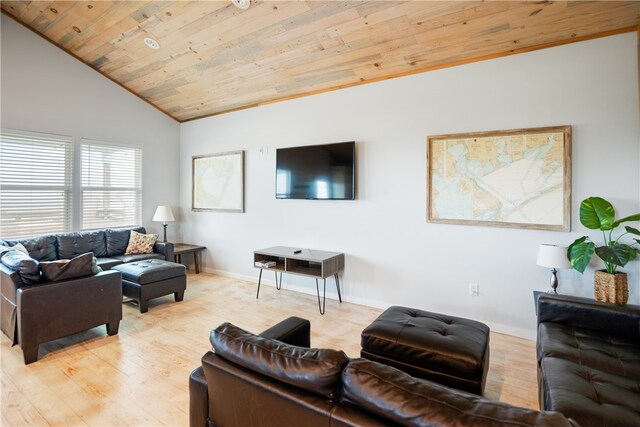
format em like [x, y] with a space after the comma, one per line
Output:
[474, 289]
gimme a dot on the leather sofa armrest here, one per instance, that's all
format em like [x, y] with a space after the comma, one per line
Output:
[166, 249]
[198, 398]
[577, 312]
[293, 331]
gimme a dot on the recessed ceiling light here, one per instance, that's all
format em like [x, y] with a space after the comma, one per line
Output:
[151, 43]
[242, 4]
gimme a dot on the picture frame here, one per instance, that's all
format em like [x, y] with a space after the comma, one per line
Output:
[217, 182]
[518, 178]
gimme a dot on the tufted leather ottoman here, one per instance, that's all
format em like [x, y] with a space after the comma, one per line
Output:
[448, 350]
[153, 278]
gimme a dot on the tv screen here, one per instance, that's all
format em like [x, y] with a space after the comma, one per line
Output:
[316, 172]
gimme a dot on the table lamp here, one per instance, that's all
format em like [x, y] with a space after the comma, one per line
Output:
[555, 258]
[164, 215]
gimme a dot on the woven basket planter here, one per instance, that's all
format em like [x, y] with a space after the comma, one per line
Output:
[611, 287]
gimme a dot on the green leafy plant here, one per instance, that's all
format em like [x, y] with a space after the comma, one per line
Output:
[598, 214]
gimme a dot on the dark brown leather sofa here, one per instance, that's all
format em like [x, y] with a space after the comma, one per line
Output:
[32, 313]
[589, 359]
[275, 379]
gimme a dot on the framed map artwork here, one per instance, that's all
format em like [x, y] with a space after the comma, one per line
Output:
[511, 178]
[218, 182]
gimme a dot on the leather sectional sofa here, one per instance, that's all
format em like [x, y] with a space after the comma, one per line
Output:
[36, 312]
[589, 360]
[274, 379]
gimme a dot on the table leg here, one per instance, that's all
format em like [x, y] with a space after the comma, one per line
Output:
[278, 286]
[324, 296]
[338, 286]
[196, 255]
[259, 279]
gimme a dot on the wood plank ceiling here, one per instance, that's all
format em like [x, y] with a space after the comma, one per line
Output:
[216, 58]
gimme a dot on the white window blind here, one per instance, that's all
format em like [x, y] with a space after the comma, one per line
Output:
[111, 185]
[35, 184]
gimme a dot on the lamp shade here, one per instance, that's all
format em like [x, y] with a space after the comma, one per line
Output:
[553, 256]
[163, 214]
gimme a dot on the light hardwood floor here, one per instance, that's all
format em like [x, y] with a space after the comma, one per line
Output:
[140, 376]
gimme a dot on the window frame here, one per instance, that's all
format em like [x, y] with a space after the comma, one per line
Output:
[67, 188]
[138, 190]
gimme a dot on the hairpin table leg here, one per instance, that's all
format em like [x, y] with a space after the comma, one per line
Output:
[259, 279]
[324, 296]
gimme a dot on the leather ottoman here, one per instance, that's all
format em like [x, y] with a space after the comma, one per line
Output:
[153, 278]
[448, 350]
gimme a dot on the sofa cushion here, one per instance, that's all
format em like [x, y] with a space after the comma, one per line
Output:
[140, 243]
[71, 245]
[27, 267]
[315, 370]
[608, 353]
[64, 269]
[118, 239]
[589, 396]
[107, 263]
[42, 248]
[409, 401]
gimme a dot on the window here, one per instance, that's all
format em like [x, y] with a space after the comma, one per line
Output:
[35, 184]
[111, 185]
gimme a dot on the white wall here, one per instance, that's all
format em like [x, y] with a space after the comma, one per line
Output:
[43, 89]
[393, 255]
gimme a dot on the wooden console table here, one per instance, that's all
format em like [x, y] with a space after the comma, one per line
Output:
[303, 262]
[180, 249]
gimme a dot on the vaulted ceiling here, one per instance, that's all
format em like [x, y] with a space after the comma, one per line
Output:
[215, 58]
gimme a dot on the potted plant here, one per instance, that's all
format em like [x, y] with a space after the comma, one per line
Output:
[610, 284]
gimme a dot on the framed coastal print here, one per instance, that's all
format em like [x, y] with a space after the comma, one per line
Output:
[218, 182]
[509, 178]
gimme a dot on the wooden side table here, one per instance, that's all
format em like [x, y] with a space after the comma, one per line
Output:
[180, 249]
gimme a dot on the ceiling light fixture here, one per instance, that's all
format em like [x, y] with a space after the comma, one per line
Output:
[151, 43]
[242, 4]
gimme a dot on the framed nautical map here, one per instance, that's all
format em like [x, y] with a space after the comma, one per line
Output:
[218, 182]
[510, 178]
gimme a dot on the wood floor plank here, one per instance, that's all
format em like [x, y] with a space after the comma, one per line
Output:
[140, 376]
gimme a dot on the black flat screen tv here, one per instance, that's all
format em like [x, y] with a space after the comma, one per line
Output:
[316, 172]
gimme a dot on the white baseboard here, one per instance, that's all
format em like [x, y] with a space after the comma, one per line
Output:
[495, 327]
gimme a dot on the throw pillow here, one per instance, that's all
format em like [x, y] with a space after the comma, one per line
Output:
[20, 247]
[95, 268]
[64, 269]
[140, 243]
[28, 267]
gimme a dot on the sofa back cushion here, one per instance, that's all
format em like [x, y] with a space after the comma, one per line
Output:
[118, 239]
[403, 399]
[70, 245]
[41, 248]
[314, 370]
[27, 267]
